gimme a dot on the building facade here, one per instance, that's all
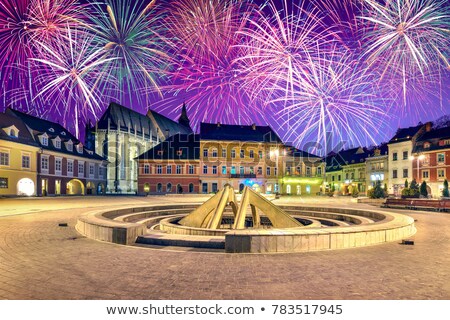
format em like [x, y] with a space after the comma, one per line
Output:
[303, 173]
[431, 159]
[173, 166]
[62, 164]
[240, 156]
[122, 134]
[18, 158]
[400, 162]
[377, 167]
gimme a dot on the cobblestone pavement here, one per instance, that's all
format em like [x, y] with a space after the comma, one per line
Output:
[40, 260]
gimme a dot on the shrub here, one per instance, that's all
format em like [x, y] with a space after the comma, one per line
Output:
[423, 189]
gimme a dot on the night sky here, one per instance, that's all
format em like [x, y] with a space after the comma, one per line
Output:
[357, 69]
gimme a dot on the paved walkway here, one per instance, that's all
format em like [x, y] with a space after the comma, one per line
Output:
[40, 260]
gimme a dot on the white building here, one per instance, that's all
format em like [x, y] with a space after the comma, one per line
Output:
[400, 149]
[122, 134]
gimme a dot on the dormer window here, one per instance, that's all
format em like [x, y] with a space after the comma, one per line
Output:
[44, 139]
[63, 133]
[57, 143]
[179, 152]
[426, 145]
[69, 145]
[160, 152]
[80, 148]
[12, 131]
[51, 130]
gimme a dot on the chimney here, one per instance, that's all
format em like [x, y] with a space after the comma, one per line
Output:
[254, 126]
[428, 126]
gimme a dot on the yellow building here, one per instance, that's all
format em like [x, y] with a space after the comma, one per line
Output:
[240, 156]
[18, 158]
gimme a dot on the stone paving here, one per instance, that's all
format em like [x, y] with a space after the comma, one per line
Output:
[40, 260]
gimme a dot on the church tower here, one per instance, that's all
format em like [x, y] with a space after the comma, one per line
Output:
[183, 119]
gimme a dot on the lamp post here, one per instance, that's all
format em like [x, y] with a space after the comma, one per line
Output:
[418, 158]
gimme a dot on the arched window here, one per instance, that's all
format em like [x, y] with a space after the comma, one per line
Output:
[159, 187]
[169, 187]
[191, 187]
[179, 188]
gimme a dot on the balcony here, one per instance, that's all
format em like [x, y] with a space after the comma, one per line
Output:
[243, 176]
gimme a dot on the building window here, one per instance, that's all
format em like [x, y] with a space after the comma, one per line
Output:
[3, 183]
[260, 170]
[224, 170]
[4, 159]
[353, 176]
[233, 153]
[394, 156]
[242, 153]
[275, 171]
[146, 169]
[205, 169]
[191, 169]
[169, 169]
[91, 169]
[425, 174]
[224, 153]
[179, 152]
[58, 144]
[159, 169]
[405, 173]
[361, 175]
[70, 146]
[440, 157]
[44, 163]
[159, 187]
[169, 187]
[252, 170]
[214, 187]
[308, 171]
[426, 145]
[346, 176]
[288, 170]
[241, 170]
[179, 169]
[260, 155]
[214, 169]
[80, 168]
[394, 174]
[25, 162]
[44, 141]
[298, 170]
[332, 178]
[191, 187]
[319, 171]
[252, 154]
[441, 173]
[58, 165]
[268, 171]
[214, 153]
[339, 177]
[405, 155]
[69, 167]
[233, 170]
[205, 153]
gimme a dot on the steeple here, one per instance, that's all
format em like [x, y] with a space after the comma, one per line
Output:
[183, 119]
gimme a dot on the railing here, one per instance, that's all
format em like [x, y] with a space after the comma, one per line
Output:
[245, 176]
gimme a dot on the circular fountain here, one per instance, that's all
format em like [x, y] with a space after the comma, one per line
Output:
[255, 225]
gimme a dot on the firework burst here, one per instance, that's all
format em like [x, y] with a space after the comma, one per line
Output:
[407, 37]
[131, 33]
[71, 76]
[336, 97]
[205, 35]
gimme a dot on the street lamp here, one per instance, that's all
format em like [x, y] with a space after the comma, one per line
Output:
[420, 157]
